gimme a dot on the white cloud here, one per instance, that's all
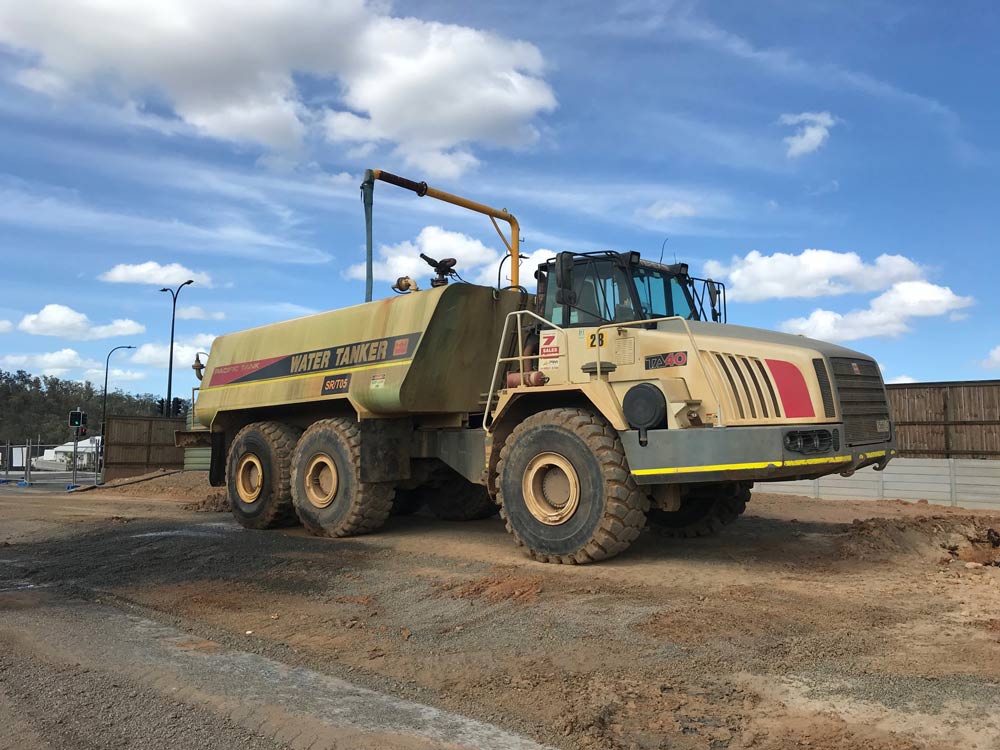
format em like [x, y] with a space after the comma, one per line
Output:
[59, 320]
[6, 326]
[888, 314]
[234, 237]
[813, 131]
[669, 209]
[195, 312]
[403, 259]
[899, 379]
[50, 363]
[433, 89]
[157, 355]
[477, 262]
[811, 273]
[154, 274]
[430, 90]
[115, 375]
[992, 361]
[529, 264]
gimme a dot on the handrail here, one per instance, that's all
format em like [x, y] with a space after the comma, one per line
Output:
[519, 357]
[694, 346]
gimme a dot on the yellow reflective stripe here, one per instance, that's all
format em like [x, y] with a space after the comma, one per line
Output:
[738, 467]
[873, 454]
[324, 373]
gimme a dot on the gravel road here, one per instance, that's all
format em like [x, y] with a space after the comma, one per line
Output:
[129, 621]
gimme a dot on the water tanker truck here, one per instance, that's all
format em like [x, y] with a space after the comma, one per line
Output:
[616, 396]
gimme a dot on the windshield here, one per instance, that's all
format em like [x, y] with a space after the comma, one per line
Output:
[661, 294]
[602, 292]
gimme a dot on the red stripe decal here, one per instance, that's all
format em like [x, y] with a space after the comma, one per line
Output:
[228, 373]
[792, 388]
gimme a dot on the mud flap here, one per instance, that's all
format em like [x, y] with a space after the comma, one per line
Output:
[385, 449]
[217, 465]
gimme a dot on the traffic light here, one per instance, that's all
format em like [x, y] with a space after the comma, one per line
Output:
[160, 404]
[177, 407]
[83, 430]
[76, 418]
[84, 423]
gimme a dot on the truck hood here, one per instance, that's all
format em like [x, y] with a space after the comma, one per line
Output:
[702, 329]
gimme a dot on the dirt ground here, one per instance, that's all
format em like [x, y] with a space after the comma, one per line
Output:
[848, 625]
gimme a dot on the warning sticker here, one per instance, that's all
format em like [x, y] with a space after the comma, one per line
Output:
[378, 381]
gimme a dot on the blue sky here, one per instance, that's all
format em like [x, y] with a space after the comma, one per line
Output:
[837, 168]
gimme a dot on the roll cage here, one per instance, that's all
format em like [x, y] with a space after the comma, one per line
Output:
[612, 287]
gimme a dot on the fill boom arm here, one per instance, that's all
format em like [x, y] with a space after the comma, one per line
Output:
[422, 189]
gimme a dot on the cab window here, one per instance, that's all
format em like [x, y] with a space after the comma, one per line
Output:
[603, 295]
[661, 294]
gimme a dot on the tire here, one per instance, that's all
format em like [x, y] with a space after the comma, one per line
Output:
[329, 496]
[258, 475]
[555, 446]
[452, 497]
[703, 513]
[406, 502]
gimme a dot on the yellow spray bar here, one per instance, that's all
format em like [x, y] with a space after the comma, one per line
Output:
[422, 189]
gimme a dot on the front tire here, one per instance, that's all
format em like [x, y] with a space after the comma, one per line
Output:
[258, 475]
[329, 496]
[565, 489]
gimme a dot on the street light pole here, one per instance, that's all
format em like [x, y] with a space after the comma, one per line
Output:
[104, 414]
[170, 363]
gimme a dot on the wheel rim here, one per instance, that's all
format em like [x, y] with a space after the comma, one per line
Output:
[249, 478]
[551, 488]
[321, 480]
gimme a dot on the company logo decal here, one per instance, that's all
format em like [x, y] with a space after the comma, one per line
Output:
[667, 359]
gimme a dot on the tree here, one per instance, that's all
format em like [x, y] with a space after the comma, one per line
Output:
[36, 408]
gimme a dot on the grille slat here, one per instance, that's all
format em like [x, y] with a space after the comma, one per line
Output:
[732, 384]
[746, 388]
[756, 385]
[862, 399]
[824, 388]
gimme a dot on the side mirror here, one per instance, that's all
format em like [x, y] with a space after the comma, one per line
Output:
[564, 279]
[713, 298]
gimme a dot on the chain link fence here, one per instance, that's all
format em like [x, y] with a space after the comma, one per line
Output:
[66, 465]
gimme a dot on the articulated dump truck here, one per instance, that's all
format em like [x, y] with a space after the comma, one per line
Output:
[614, 397]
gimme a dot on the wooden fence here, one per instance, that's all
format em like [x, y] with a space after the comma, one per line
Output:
[947, 420]
[138, 445]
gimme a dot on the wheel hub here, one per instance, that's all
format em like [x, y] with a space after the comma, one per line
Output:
[322, 480]
[249, 478]
[551, 488]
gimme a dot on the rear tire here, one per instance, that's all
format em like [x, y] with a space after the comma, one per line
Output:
[258, 475]
[452, 497]
[329, 496]
[565, 488]
[703, 513]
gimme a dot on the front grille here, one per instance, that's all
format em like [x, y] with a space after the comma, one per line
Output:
[750, 385]
[862, 400]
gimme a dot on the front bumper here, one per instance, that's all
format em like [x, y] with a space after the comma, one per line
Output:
[718, 454]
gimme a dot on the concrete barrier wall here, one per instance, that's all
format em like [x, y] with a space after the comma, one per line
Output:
[968, 483]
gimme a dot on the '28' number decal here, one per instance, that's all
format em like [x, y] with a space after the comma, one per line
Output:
[596, 340]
